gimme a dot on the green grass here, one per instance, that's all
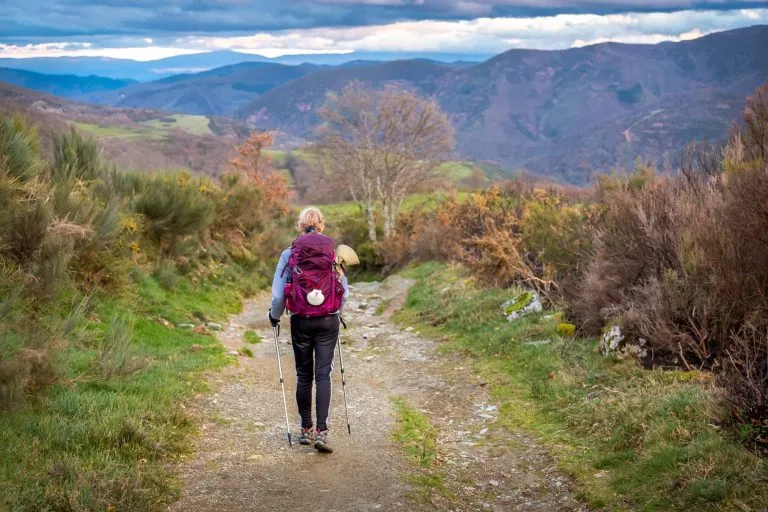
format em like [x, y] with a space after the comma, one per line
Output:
[418, 438]
[415, 434]
[196, 125]
[456, 171]
[113, 132]
[90, 443]
[251, 337]
[633, 439]
[337, 212]
[157, 129]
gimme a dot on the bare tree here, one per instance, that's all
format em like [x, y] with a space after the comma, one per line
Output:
[347, 146]
[381, 144]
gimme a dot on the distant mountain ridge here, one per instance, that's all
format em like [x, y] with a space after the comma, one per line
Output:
[145, 71]
[68, 86]
[220, 91]
[566, 114]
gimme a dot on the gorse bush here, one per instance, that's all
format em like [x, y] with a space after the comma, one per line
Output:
[176, 205]
[75, 158]
[77, 225]
[19, 149]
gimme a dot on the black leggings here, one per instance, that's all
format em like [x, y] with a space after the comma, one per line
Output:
[314, 343]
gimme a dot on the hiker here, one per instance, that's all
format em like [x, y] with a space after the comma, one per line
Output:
[309, 283]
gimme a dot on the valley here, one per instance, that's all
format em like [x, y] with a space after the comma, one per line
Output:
[566, 114]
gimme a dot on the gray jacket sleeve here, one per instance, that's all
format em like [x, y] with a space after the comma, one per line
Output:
[346, 291]
[278, 286]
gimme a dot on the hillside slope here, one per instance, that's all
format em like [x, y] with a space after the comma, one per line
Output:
[133, 138]
[566, 113]
[220, 91]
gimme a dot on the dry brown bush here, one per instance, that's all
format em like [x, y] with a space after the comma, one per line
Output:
[23, 373]
[681, 263]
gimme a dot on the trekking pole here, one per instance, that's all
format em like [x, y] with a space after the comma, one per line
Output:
[276, 331]
[343, 379]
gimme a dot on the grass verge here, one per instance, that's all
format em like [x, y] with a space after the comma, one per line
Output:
[633, 439]
[98, 442]
[418, 438]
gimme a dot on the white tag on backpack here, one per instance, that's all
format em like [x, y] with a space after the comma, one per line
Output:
[315, 297]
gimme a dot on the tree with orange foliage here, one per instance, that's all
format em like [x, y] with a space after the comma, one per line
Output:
[256, 166]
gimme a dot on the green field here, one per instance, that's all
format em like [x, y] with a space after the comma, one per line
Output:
[156, 129]
[196, 125]
[337, 212]
[116, 132]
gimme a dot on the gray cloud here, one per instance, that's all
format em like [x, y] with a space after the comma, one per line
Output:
[43, 19]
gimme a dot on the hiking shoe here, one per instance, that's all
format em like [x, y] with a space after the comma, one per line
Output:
[306, 436]
[321, 442]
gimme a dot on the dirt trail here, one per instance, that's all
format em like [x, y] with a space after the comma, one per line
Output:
[242, 461]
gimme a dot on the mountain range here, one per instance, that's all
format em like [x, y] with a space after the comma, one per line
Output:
[566, 114]
[68, 86]
[144, 71]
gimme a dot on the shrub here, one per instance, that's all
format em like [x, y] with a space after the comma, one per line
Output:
[116, 358]
[165, 274]
[680, 264]
[175, 206]
[27, 230]
[514, 235]
[566, 330]
[19, 148]
[23, 373]
[75, 158]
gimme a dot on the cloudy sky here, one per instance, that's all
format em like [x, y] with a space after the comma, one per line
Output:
[153, 29]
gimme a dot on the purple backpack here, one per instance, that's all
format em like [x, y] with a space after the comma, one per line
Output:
[313, 287]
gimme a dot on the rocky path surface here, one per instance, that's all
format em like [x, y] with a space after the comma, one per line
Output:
[242, 462]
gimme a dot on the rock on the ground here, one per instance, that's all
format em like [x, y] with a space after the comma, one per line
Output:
[524, 303]
[214, 326]
[614, 344]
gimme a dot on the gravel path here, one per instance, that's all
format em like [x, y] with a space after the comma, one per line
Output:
[242, 462]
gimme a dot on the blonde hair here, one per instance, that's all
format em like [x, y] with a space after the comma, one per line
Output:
[311, 217]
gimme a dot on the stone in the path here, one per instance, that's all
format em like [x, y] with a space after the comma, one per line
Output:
[185, 326]
[233, 353]
[214, 326]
